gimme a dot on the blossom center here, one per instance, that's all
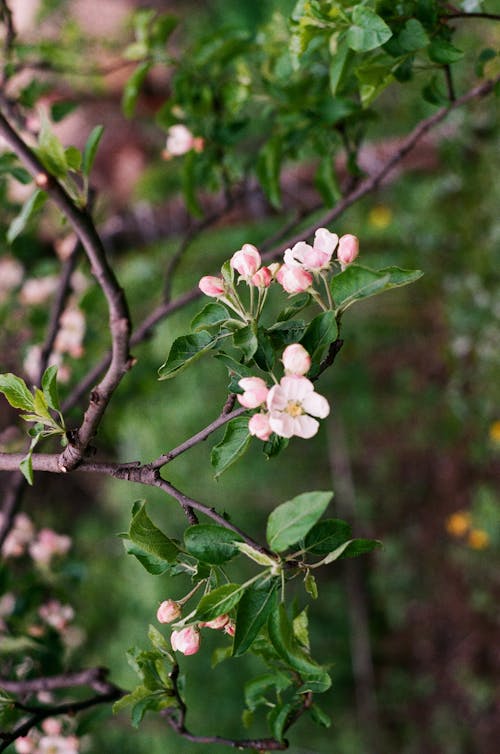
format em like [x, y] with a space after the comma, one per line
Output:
[294, 408]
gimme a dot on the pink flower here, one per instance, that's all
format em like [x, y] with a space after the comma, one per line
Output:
[58, 745]
[348, 249]
[19, 537]
[255, 393]
[292, 404]
[186, 641]
[47, 545]
[70, 337]
[262, 278]
[316, 257]
[168, 611]
[56, 615]
[230, 628]
[296, 360]
[24, 745]
[179, 140]
[246, 261]
[294, 279]
[51, 726]
[216, 623]
[211, 286]
[259, 426]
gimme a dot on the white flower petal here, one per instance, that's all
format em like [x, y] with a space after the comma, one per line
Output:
[282, 424]
[296, 388]
[316, 404]
[325, 240]
[277, 399]
[305, 427]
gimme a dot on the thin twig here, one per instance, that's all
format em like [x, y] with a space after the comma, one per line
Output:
[490, 16]
[95, 678]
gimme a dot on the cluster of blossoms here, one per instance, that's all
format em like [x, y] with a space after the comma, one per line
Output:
[52, 740]
[42, 546]
[187, 640]
[302, 265]
[288, 408]
[180, 141]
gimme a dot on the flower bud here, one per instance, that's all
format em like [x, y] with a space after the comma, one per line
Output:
[24, 745]
[262, 278]
[179, 140]
[296, 360]
[51, 726]
[230, 628]
[255, 393]
[258, 426]
[216, 623]
[294, 279]
[348, 249]
[168, 611]
[186, 641]
[246, 261]
[211, 286]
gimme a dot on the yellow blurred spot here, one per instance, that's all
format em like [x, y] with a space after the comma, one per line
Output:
[495, 431]
[458, 523]
[380, 217]
[478, 539]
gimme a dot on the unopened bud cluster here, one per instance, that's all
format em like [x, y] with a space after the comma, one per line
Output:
[187, 640]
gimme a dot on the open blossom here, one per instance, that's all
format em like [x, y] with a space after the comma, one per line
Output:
[186, 641]
[47, 545]
[315, 257]
[246, 261]
[37, 290]
[58, 745]
[259, 426]
[180, 140]
[56, 615]
[292, 405]
[216, 623]
[211, 286]
[24, 745]
[348, 249]
[52, 726]
[70, 337]
[255, 393]
[11, 275]
[168, 611]
[19, 537]
[296, 360]
[262, 278]
[294, 279]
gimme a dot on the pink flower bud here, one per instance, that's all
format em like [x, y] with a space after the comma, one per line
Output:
[296, 360]
[186, 641]
[216, 623]
[246, 261]
[294, 279]
[255, 393]
[51, 726]
[24, 745]
[211, 286]
[348, 249]
[230, 628]
[198, 144]
[262, 278]
[179, 140]
[168, 611]
[258, 426]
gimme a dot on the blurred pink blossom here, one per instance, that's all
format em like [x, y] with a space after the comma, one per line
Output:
[186, 641]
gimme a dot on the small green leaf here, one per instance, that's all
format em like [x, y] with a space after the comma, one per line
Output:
[443, 52]
[16, 391]
[234, 444]
[286, 645]
[133, 88]
[49, 386]
[326, 181]
[296, 305]
[339, 65]
[369, 30]
[278, 718]
[322, 331]
[268, 170]
[234, 367]
[253, 611]
[190, 183]
[311, 586]
[219, 601]
[90, 150]
[246, 340]
[30, 207]
[73, 158]
[319, 716]
[258, 557]
[41, 408]
[184, 351]
[211, 543]
[149, 538]
[357, 282]
[26, 465]
[264, 356]
[159, 642]
[413, 36]
[255, 690]
[317, 684]
[50, 150]
[291, 521]
[210, 316]
[274, 446]
[287, 332]
[154, 566]
[326, 536]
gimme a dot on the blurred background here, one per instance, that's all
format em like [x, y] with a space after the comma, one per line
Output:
[411, 448]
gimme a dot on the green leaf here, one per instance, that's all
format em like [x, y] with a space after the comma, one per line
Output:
[326, 536]
[317, 684]
[190, 183]
[219, 601]
[339, 65]
[253, 611]
[369, 30]
[154, 566]
[211, 543]
[435, 93]
[26, 465]
[90, 150]
[357, 282]
[30, 207]
[278, 717]
[49, 386]
[16, 391]
[483, 58]
[50, 150]
[73, 158]
[319, 716]
[296, 305]
[184, 351]
[286, 645]
[360, 547]
[59, 110]
[291, 521]
[255, 690]
[268, 170]
[211, 315]
[41, 408]
[149, 538]
[140, 692]
[234, 444]
[159, 642]
[264, 356]
[274, 446]
[322, 331]
[258, 557]
[133, 88]
[285, 333]
[246, 340]
[311, 586]
[326, 181]
[443, 52]
[413, 36]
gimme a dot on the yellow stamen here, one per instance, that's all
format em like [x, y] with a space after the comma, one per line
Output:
[294, 408]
